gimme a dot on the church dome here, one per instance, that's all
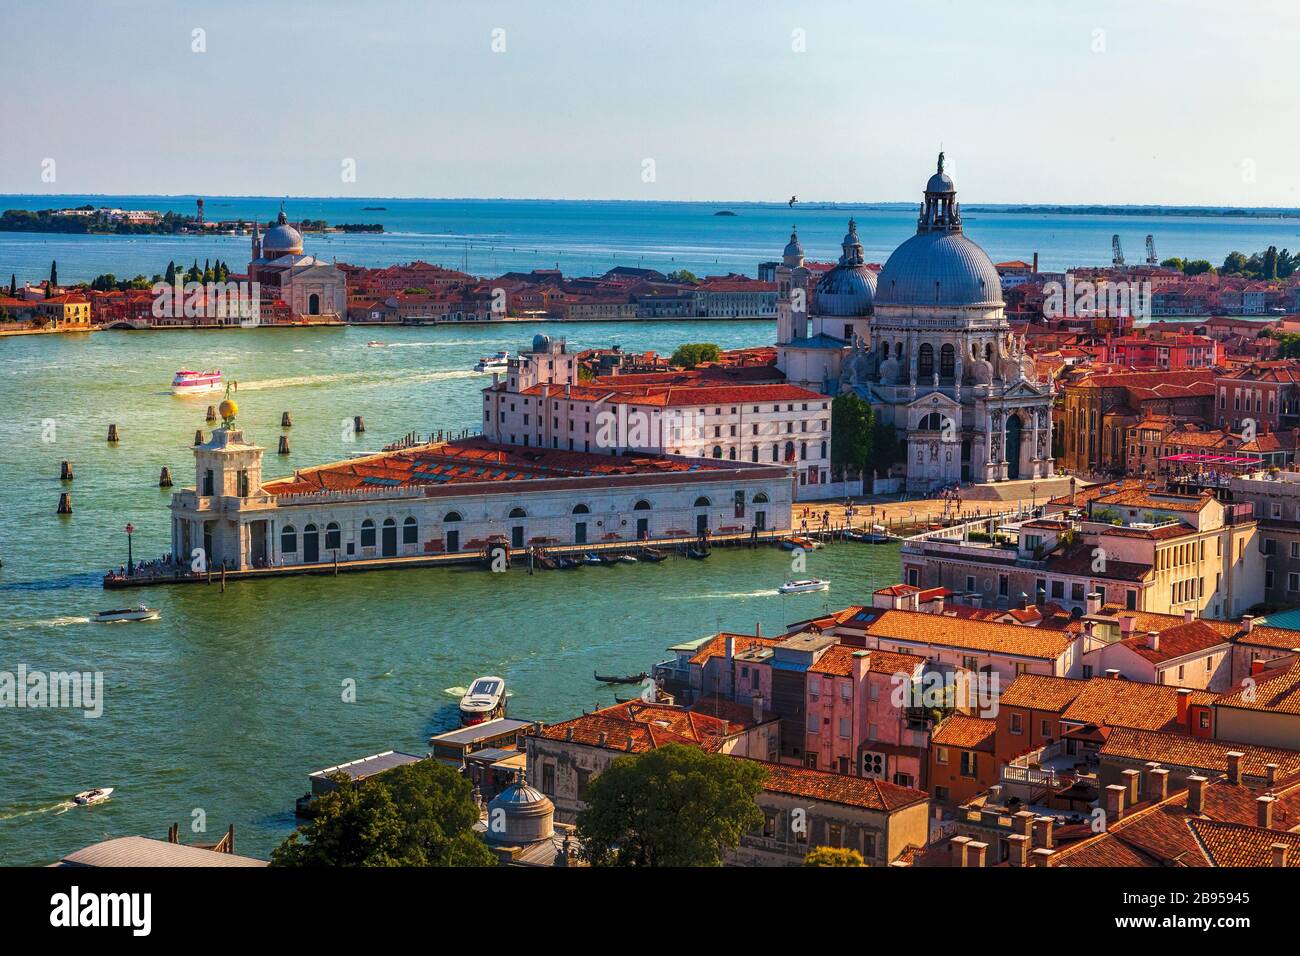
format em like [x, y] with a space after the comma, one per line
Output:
[520, 815]
[792, 248]
[939, 266]
[849, 289]
[281, 239]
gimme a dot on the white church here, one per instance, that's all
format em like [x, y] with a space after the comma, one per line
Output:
[927, 344]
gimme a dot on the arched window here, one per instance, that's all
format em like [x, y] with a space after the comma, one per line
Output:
[925, 360]
[581, 510]
[452, 516]
[410, 531]
[988, 351]
[518, 513]
[332, 539]
[776, 452]
[367, 534]
[641, 505]
[702, 502]
[731, 453]
[760, 498]
[753, 454]
[884, 348]
[717, 451]
[288, 539]
[803, 450]
[789, 451]
[947, 361]
[823, 449]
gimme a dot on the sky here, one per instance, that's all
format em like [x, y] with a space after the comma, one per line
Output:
[1174, 102]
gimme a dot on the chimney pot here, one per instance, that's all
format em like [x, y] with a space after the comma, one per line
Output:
[977, 854]
[1280, 855]
[1131, 779]
[1270, 774]
[1184, 701]
[1153, 639]
[1158, 784]
[1264, 812]
[1094, 602]
[1020, 847]
[1189, 615]
[1041, 855]
[1234, 766]
[1112, 673]
[1115, 802]
[1196, 795]
[958, 848]
[1024, 823]
[1043, 832]
[1248, 622]
[604, 738]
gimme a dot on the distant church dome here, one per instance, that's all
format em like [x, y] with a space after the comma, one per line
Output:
[281, 239]
[793, 250]
[939, 266]
[520, 815]
[849, 289]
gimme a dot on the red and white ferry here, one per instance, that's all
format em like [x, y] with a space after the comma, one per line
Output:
[188, 382]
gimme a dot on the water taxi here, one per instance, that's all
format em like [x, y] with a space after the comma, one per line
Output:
[90, 797]
[804, 586]
[807, 544]
[137, 613]
[189, 382]
[497, 363]
[485, 700]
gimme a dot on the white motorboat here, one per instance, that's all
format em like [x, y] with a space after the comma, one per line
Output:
[626, 559]
[137, 613]
[90, 797]
[804, 586]
[497, 363]
[485, 700]
[189, 382]
[375, 345]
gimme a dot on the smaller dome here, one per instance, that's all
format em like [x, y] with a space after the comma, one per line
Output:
[940, 183]
[792, 248]
[520, 815]
[541, 343]
[846, 291]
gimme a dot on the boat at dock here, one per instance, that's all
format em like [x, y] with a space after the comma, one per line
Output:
[485, 700]
[495, 363]
[798, 541]
[626, 679]
[651, 554]
[138, 613]
[804, 586]
[90, 797]
[698, 554]
[189, 382]
[626, 559]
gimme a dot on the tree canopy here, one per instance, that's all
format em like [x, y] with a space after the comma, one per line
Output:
[833, 856]
[420, 814]
[694, 353]
[672, 806]
[685, 276]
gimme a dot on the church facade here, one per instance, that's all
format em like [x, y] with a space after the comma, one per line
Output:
[312, 289]
[927, 344]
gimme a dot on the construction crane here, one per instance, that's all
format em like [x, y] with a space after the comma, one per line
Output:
[1117, 260]
[1151, 251]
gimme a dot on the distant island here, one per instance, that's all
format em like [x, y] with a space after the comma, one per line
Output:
[104, 220]
[1217, 211]
[724, 212]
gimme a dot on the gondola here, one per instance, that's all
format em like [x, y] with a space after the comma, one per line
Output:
[651, 554]
[699, 554]
[628, 679]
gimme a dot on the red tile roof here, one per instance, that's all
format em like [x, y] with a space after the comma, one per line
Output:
[839, 788]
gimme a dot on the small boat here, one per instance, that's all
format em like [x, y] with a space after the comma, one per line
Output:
[625, 679]
[90, 797]
[485, 700]
[189, 382]
[591, 559]
[626, 559]
[699, 554]
[496, 363]
[807, 544]
[804, 586]
[375, 344]
[651, 554]
[137, 613]
[545, 563]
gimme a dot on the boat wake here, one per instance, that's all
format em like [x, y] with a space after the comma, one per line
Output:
[62, 806]
[63, 621]
[723, 595]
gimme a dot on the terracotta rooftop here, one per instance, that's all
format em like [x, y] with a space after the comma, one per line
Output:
[638, 727]
[865, 792]
[1199, 753]
[1177, 641]
[1275, 691]
[717, 645]
[968, 733]
[987, 636]
[1110, 702]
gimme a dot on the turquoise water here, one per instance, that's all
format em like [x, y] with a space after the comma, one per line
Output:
[586, 238]
[228, 702]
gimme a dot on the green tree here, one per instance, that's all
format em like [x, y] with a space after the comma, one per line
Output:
[13, 284]
[54, 275]
[833, 856]
[1194, 267]
[694, 353]
[853, 433]
[672, 806]
[420, 814]
[684, 276]
[171, 273]
[1235, 262]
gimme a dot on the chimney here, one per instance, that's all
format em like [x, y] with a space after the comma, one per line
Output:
[1153, 640]
[1040, 856]
[1131, 779]
[568, 733]
[1043, 832]
[938, 604]
[1112, 673]
[730, 645]
[1234, 766]
[1279, 855]
[1189, 615]
[1125, 625]
[1094, 602]
[1196, 795]
[603, 739]
[1035, 263]
[1157, 784]
[1264, 812]
[1248, 622]
[1270, 775]
[977, 854]
[1023, 820]
[1115, 802]
[1184, 699]
[958, 848]
[1020, 846]
[757, 701]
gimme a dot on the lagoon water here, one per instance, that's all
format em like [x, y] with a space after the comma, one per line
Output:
[225, 704]
[586, 238]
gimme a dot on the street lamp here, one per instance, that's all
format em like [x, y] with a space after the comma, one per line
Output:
[130, 563]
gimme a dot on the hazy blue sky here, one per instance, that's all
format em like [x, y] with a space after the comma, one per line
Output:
[1175, 101]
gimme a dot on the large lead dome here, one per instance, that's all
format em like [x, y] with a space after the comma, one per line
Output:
[939, 266]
